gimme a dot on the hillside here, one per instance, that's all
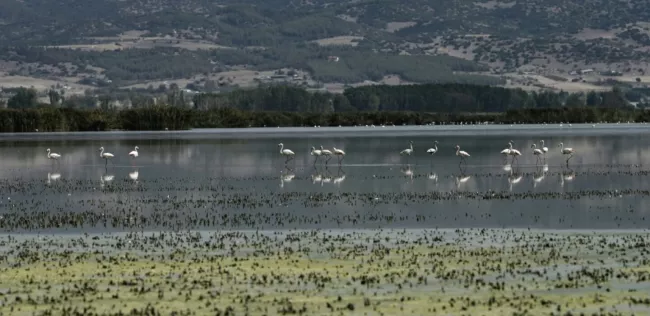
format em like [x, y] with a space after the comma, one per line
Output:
[212, 45]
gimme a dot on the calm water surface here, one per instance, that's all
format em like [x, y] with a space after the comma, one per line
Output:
[237, 179]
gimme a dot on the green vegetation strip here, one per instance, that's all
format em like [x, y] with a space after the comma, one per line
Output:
[472, 272]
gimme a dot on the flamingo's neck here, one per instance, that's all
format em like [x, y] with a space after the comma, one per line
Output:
[281, 148]
[101, 152]
[411, 146]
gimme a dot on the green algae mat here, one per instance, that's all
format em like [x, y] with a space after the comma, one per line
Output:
[364, 272]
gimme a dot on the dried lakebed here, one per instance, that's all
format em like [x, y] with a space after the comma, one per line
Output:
[322, 272]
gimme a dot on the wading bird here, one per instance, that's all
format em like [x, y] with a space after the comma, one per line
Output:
[537, 152]
[431, 151]
[566, 151]
[543, 148]
[134, 153]
[105, 156]
[326, 152]
[339, 153]
[51, 155]
[286, 152]
[461, 154]
[513, 152]
[316, 153]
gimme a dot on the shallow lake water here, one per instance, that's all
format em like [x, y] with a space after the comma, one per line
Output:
[237, 179]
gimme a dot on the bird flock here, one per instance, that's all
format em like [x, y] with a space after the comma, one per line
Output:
[539, 153]
[102, 154]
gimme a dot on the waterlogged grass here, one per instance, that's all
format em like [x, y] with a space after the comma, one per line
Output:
[373, 272]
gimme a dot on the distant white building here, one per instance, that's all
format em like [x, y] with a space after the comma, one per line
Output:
[586, 71]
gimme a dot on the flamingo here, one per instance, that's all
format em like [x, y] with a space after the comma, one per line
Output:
[286, 152]
[407, 151]
[513, 152]
[326, 152]
[315, 152]
[544, 148]
[134, 153]
[461, 154]
[105, 156]
[51, 155]
[339, 153]
[566, 151]
[537, 152]
[433, 149]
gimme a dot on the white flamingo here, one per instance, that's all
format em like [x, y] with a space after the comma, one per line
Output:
[53, 156]
[433, 149]
[537, 152]
[105, 156]
[134, 153]
[462, 154]
[513, 152]
[286, 152]
[407, 151]
[326, 152]
[544, 148]
[315, 152]
[566, 151]
[339, 153]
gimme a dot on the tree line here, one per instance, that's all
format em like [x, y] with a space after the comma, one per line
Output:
[50, 119]
[438, 98]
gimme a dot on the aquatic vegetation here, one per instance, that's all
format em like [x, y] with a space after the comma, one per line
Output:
[393, 271]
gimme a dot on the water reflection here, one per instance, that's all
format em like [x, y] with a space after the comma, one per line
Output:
[514, 177]
[340, 177]
[52, 177]
[106, 179]
[604, 162]
[567, 175]
[316, 176]
[408, 172]
[286, 176]
[539, 175]
[134, 175]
